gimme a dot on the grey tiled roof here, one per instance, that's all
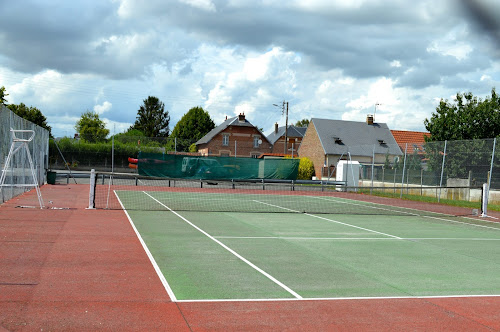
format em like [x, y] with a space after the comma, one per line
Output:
[359, 138]
[229, 122]
[292, 132]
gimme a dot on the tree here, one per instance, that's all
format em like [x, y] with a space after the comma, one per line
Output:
[302, 123]
[31, 114]
[465, 125]
[152, 118]
[3, 101]
[91, 128]
[468, 118]
[193, 125]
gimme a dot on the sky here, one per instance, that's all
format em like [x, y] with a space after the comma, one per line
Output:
[330, 59]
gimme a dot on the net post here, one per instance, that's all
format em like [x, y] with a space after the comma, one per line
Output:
[484, 200]
[92, 189]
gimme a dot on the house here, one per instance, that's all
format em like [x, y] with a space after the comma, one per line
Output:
[236, 136]
[411, 141]
[294, 137]
[328, 141]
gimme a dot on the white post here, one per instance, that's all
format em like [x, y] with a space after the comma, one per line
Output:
[484, 200]
[92, 190]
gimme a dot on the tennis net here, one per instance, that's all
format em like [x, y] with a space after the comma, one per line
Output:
[134, 192]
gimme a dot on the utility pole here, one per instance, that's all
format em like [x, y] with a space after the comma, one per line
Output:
[284, 111]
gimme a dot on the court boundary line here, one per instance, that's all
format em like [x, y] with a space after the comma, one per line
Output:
[346, 201]
[163, 280]
[255, 267]
[332, 220]
[353, 238]
[421, 297]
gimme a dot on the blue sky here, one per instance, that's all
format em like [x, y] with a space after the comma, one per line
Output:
[329, 59]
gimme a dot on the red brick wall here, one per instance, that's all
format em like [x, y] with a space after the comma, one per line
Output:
[244, 143]
[311, 148]
[279, 145]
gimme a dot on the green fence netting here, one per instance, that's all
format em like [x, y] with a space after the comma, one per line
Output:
[222, 168]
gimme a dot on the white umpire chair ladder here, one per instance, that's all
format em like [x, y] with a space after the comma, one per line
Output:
[18, 143]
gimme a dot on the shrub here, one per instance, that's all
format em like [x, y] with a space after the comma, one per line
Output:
[306, 169]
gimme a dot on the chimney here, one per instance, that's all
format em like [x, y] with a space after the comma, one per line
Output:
[241, 117]
[226, 117]
[369, 119]
[276, 128]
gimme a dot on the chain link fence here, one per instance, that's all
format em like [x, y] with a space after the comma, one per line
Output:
[453, 169]
[19, 172]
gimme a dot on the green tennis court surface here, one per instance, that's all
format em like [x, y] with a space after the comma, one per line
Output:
[206, 255]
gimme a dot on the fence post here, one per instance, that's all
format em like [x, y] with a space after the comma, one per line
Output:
[491, 165]
[373, 165]
[403, 176]
[442, 171]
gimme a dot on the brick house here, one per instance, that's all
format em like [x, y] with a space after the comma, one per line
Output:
[328, 141]
[234, 137]
[294, 137]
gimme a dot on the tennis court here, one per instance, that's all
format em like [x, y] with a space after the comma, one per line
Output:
[232, 246]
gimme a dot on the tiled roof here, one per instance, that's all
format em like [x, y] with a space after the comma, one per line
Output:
[229, 122]
[292, 132]
[410, 139]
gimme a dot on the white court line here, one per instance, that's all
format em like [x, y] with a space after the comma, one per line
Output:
[331, 220]
[276, 281]
[410, 213]
[164, 281]
[345, 298]
[352, 238]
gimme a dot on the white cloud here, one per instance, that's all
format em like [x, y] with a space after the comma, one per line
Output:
[452, 44]
[105, 107]
[201, 4]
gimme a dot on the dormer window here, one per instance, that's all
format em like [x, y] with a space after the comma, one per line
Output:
[381, 142]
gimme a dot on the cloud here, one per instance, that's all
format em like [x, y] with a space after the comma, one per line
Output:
[328, 59]
[105, 107]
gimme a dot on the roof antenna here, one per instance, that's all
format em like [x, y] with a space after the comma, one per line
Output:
[376, 104]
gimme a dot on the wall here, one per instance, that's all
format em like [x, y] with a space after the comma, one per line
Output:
[311, 148]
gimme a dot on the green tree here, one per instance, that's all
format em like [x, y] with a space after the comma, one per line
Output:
[302, 123]
[91, 128]
[152, 118]
[465, 124]
[3, 94]
[31, 114]
[193, 125]
[467, 118]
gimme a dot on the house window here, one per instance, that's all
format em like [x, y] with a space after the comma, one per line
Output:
[255, 155]
[224, 153]
[225, 139]
[256, 140]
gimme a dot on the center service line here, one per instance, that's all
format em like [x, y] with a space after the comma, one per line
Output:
[276, 281]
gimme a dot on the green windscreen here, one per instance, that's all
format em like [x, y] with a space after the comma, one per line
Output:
[221, 168]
